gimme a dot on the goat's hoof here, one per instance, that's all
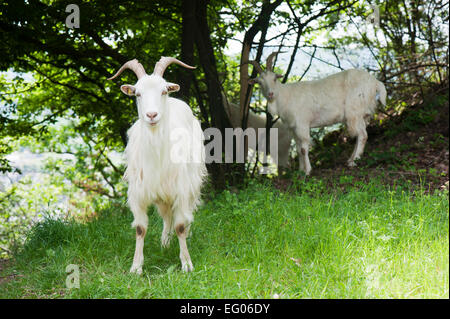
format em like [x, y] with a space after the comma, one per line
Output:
[165, 240]
[351, 164]
[136, 270]
[187, 267]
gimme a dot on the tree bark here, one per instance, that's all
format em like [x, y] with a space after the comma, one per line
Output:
[187, 46]
[207, 59]
[261, 24]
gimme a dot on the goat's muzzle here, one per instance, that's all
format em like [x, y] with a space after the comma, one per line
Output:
[151, 115]
[151, 118]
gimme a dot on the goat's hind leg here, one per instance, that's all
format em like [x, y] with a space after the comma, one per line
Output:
[359, 129]
[141, 224]
[165, 211]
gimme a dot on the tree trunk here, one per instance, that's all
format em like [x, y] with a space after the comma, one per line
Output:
[219, 118]
[260, 25]
[187, 46]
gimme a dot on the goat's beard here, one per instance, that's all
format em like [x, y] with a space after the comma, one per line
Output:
[272, 108]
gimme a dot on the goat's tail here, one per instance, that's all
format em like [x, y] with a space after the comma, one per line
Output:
[381, 93]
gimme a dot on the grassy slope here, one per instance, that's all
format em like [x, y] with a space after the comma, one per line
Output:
[367, 241]
[343, 234]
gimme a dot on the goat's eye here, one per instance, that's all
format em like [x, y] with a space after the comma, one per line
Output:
[138, 94]
[164, 92]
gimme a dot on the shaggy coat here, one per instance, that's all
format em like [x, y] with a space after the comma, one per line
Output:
[165, 159]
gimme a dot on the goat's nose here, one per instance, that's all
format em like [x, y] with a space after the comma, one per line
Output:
[151, 115]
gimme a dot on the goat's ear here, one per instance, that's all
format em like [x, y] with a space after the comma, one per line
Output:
[172, 87]
[278, 76]
[128, 89]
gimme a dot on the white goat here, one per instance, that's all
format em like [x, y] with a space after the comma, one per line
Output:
[346, 97]
[152, 174]
[256, 121]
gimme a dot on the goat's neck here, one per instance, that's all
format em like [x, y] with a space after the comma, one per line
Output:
[279, 104]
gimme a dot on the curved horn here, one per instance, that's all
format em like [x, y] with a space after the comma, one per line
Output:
[269, 61]
[256, 65]
[134, 66]
[164, 62]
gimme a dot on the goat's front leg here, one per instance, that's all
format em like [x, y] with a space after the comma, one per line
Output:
[141, 224]
[303, 149]
[182, 230]
[301, 162]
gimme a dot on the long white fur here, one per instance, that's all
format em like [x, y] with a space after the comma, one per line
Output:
[256, 121]
[153, 177]
[348, 97]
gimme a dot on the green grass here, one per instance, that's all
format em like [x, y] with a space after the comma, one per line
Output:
[368, 241]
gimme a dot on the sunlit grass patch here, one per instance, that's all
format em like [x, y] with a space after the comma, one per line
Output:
[368, 241]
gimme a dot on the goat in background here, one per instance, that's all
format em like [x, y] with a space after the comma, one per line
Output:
[257, 121]
[348, 97]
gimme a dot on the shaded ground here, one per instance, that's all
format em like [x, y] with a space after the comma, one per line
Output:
[4, 264]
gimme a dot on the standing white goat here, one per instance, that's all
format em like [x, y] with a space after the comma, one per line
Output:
[348, 97]
[256, 121]
[152, 174]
